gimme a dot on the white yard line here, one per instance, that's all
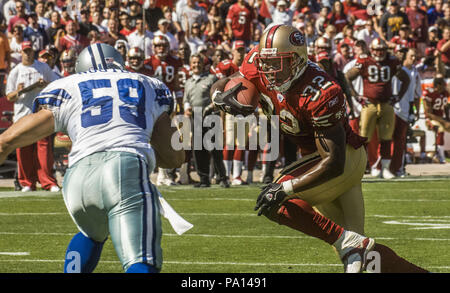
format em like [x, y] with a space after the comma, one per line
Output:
[15, 253]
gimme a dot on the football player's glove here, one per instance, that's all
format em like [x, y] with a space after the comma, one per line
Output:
[227, 102]
[271, 196]
[362, 100]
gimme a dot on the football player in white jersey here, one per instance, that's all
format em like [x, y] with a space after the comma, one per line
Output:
[110, 115]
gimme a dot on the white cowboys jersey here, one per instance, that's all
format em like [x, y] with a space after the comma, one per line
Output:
[107, 110]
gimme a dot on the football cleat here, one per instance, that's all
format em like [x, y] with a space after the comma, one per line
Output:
[353, 249]
[375, 172]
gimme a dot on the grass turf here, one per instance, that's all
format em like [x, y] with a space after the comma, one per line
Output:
[411, 217]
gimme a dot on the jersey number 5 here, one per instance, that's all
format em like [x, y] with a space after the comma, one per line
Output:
[98, 108]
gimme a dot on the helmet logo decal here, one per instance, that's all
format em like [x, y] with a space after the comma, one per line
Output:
[297, 39]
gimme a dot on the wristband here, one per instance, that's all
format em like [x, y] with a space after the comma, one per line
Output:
[288, 187]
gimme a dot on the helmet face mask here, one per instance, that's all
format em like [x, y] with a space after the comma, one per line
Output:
[378, 49]
[282, 57]
[161, 46]
[276, 69]
[136, 58]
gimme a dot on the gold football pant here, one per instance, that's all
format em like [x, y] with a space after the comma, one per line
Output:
[379, 116]
[340, 198]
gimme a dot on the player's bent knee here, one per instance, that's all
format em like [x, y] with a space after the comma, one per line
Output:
[141, 268]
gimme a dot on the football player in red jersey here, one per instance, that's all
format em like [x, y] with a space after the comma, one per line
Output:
[435, 101]
[234, 152]
[135, 58]
[311, 109]
[68, 59]
[165, 67]
[377, 72]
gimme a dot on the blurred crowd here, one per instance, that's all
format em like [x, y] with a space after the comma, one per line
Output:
[163, 38]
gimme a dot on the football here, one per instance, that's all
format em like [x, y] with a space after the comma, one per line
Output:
[248, 93]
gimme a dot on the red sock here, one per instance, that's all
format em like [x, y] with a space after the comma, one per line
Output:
[392, 263]
[299, 215]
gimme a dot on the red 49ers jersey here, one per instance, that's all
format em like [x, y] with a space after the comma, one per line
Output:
[225, 68]
[315, 102]
[166, 71]
[377, 77]
[183, 74]
[437, 100]
[145, 70]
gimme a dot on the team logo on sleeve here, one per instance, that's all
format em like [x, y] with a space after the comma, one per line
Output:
[297, 39]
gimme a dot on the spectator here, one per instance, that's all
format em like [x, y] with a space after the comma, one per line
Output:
[35, 162]
[97, 23]
[195, 38]
[125, 24]
[71, 39]
[141, 38]
[163, 25]
[19, 18]
[433, 37]
[240, 22]
[321, 21]
[43, 21]
[435, 12]
[85, 26]
[122, 47]
[192, 13]
[282, 14]
[5, 61]
[403, 39]
[419, 25]
[391, 21]
[337, 17]
[196, 97]
[56, 26]
[16, 45]
[343, 56]
[443, 48]
[153, 14]
[35, 34]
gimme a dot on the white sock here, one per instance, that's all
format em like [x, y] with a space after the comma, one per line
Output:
[441, 153]
[237, 168]
[228, 166]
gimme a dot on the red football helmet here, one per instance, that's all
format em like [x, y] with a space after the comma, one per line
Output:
[378, 49]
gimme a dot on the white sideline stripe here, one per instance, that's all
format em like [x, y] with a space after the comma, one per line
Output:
[208, 263]
[15, 253]
[224, 236]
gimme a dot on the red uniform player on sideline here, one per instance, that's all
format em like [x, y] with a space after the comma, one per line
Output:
[311, 109]
[435, 101]
[135, 60]
[377, 71]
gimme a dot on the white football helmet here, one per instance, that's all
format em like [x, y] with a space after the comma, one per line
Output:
[161, 46]
[378, 49]
[136, 58]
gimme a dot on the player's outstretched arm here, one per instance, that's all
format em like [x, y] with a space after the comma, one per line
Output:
[26, 131]
[166, 156]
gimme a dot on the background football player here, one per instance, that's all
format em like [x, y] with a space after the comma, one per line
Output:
[377, 113]
[135, 61]
[165, 67]
[435, 101]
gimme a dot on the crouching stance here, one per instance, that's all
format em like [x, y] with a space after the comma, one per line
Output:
[110, 115]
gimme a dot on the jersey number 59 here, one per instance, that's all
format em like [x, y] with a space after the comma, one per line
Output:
[130, 91]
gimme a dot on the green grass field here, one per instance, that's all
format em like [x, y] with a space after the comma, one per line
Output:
[411, 217]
